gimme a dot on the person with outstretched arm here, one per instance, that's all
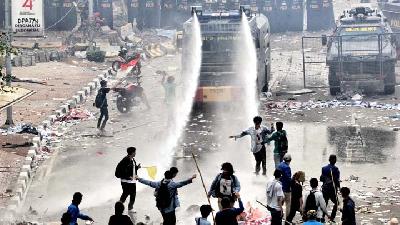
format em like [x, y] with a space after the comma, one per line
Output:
[228, 214]
[168, 211]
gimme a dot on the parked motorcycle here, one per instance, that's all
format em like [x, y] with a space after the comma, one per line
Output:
[129, 96]
[124, 62]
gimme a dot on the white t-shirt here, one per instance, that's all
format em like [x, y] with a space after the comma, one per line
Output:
[133, 181]
[256, 137]
[225, 187]
[274, 190]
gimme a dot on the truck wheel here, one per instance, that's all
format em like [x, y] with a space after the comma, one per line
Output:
[334, 83]
[390, 82]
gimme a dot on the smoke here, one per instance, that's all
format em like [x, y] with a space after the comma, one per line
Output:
[184, 101]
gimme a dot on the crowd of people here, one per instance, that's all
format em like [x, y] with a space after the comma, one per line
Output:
[283, 191]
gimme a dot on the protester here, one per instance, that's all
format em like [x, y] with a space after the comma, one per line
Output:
[314, 200]
[174, 171]
[66, 219]
[126, 170]
[74, 211]
[227, 215]
[296, 203]
[119, 218]
[101, 103]
[170, 95]
[284, 166]
[281, 143]
[330, 177]
[205, 211]
[258, 135]
[312, 218]
[166, 198]
[275, 198]
[348, 211]
[224, 185]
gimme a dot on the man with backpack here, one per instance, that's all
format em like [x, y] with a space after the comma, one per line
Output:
[275, 198]
[258, 136]
[126, 171]
[224, 185]
[205, 211]
[101, 103]
[313, 200]
[330, 177]
[281, 143]
[166, 195]
[284, 166]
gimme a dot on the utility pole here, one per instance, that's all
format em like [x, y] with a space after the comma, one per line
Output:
[91, 9]
[9, 121]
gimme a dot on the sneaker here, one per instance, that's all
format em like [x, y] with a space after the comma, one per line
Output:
[264, 173]
[257, 173]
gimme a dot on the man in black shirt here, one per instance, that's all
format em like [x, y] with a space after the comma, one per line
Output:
[118, 218]
[348, 212]
[103, 106]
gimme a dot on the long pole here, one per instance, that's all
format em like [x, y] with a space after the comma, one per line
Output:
[9, 120]
[334, 187]
[202, 181]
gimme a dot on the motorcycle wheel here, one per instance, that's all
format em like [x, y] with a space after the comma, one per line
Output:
[116, 65]
[122, 105]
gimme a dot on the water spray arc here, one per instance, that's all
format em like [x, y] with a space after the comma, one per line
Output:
[184, 100]
[247, 68]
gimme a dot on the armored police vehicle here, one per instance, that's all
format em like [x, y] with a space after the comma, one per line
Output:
[362, 53]
[220, 32]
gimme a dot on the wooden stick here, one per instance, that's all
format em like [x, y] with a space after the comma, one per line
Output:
[204, 186]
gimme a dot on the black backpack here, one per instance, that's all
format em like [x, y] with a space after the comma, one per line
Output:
[100, 99]
[282, 143]
[163, 197]
[119, 170]
[311, 202]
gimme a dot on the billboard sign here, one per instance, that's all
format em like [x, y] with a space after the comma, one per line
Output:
[27, 17]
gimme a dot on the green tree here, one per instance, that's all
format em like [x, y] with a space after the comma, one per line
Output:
[5, 50]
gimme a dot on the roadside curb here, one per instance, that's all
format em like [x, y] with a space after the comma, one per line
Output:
[27, 170]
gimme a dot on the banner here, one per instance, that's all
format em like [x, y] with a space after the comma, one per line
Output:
[27, 17]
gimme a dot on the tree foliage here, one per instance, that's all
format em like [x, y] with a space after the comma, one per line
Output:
[5, 50]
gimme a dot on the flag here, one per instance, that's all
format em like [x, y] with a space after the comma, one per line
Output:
[152, 171]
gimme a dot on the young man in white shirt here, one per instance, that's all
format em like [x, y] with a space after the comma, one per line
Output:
[320, 205]
[275, 198]
[258, 135]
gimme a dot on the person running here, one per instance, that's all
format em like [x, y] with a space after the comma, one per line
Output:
[296, 203]
[224, 185]
[227, 215]
[330, 178]
[312, 218]
[166, 198]
[284, 166]
[275, 198]
[205, 211]
[74, 211]
[281, 143]
[258, 136]
[101, 103]
[348, 212]
[314, 200]
[119, 218]
[126, 170]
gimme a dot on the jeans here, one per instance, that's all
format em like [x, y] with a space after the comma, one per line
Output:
[277, 159]
[260, 158]
[276, 216]
[294, 207]
[330, 194]
[103, 113]
[288, 196]
[169, 218]
[128, 189]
